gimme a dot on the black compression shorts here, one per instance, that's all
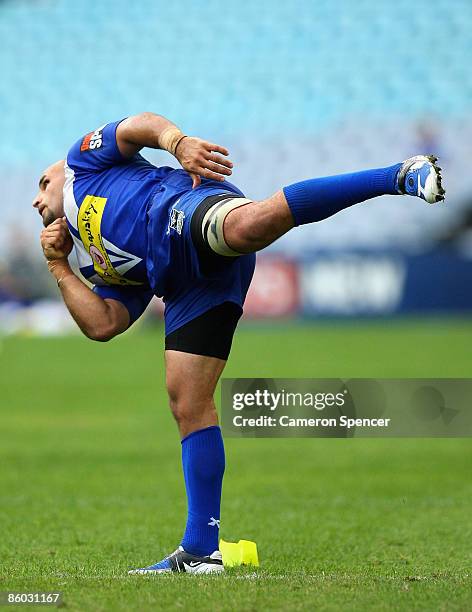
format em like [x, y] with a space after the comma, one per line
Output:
[210, 334]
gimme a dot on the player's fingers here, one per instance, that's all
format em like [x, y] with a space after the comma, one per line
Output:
[53, 235]
[47, 248]
[49, 232]
[211, 175]
[55, 223]
[209, 165]
[214, 147]
[219, 159]
[53, 228]
[47, 237]
[53, 232]
[51, 243]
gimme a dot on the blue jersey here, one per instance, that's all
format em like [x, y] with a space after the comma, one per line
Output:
[105, 201]
[120, 212]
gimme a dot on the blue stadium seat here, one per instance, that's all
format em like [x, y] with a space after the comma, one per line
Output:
[255, 70]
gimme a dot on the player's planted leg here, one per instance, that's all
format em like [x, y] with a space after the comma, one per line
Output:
[251, 227]
[191, 382]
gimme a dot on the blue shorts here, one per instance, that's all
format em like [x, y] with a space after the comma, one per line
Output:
[173, 265]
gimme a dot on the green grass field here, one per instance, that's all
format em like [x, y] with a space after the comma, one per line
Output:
[90, 479]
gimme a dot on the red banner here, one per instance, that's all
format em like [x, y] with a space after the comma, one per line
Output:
[274, 290]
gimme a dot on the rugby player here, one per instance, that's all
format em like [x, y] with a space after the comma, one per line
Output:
[189, 236]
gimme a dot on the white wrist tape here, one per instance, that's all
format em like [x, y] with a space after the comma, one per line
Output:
[170, 138]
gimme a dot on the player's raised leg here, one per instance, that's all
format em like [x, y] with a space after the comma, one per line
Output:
[253, 226]
[191, 380]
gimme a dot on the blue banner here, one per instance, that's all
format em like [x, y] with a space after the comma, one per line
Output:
[379, 283]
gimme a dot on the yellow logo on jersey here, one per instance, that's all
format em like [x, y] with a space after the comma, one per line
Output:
[89, 225]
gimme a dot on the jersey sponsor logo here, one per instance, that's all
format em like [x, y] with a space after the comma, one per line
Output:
[176, 221]
[93, 140]
[98, 257]
[89, 222]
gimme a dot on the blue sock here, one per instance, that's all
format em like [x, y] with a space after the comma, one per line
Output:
[203, 459]
[319, 198]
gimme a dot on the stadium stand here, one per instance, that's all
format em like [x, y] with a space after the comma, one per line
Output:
[294, 89]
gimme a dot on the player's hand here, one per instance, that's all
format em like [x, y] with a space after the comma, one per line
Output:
[203, 159]
[56, 240]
